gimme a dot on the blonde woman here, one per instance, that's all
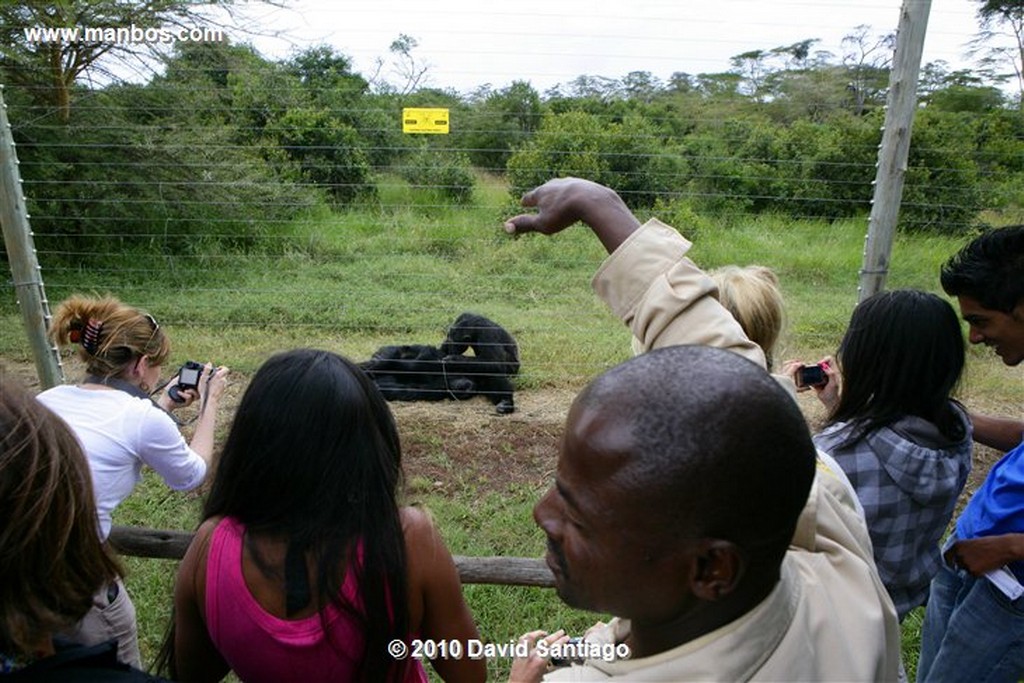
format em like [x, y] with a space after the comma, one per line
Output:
[121, 428]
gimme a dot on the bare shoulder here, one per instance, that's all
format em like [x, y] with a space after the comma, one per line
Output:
[418, 527]
[195, 555]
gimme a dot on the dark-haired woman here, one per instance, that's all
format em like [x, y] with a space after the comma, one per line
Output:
[306, 568]
[893, 427]
[121, 429]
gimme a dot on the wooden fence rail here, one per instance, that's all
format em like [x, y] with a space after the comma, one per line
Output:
[170, 544]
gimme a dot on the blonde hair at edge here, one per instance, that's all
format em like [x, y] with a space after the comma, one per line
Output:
[125, 333]
[752, 295]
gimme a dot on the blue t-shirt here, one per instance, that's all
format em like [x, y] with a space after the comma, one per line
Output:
[997, 507]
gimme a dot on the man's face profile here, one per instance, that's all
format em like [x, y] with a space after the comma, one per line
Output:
[1003, 332]
[604, 540]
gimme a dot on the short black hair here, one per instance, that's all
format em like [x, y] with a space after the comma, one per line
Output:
[990, 269]
[720, 449]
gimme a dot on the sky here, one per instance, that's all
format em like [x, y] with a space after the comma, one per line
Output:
[469, 43]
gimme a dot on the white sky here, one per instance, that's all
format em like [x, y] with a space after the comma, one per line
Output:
[468, 43]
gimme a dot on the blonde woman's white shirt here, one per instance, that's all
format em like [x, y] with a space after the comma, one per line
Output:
[119, 434]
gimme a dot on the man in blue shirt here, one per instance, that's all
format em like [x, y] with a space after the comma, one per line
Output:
[974, 624]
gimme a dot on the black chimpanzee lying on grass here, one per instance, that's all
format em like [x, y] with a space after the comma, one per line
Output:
[417, 372]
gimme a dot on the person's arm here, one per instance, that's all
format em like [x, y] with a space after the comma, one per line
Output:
[195, 656]
[982, 555]
[435, 592]
[565, 201]
[647, 281]
[210, 389]
[211, 386]
[1001, 433]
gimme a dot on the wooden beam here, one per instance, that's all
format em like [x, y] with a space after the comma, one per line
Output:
[171, 544]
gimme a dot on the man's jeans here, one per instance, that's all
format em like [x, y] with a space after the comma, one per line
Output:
[972, 632]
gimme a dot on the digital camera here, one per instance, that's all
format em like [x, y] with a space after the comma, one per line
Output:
[188, 378]
[811, 376]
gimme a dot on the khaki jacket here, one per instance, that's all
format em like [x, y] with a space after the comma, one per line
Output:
[830, 617]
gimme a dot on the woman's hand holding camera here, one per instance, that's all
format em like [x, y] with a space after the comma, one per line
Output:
[823, 377]
[194, 381]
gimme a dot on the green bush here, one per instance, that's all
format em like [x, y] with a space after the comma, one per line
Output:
[328, 151]
[628, 156]
[440, 170]
[942, 190]
[111, 184]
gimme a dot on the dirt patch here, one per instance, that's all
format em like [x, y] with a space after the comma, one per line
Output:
[455, 447]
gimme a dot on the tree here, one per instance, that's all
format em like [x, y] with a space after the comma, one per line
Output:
[411, 73]
[45, 47]
[641, 85]
[993, 15]
[328, 76]
[867, 61]
[752, 67]
[500, 123]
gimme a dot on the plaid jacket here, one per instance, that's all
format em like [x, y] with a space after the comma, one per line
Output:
[908, 477]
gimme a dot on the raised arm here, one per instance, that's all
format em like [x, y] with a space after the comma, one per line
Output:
[647, 280]
[565, 201]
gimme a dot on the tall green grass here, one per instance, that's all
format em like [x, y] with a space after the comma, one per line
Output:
[399, 270]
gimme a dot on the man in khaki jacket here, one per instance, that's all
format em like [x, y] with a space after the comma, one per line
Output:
[687, 501]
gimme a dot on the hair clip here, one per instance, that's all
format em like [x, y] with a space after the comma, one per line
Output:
[91, 335]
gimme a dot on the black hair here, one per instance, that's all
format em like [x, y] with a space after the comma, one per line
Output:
[313, 455]
[902, 354]
[720, 449]
[990, 269]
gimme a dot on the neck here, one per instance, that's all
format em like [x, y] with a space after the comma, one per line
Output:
[700, 618]
[118, 383]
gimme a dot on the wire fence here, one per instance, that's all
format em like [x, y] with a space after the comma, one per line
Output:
[270, 194]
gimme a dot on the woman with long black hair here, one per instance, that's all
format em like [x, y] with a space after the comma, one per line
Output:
[306, 567]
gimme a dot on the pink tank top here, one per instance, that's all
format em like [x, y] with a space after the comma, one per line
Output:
[261, 647]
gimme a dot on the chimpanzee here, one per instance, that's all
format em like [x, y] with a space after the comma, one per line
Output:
[417, 372]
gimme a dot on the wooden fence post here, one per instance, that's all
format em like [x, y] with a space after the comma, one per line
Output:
[21, 254]
[895, 148]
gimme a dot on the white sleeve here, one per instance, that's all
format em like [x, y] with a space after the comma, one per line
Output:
[162, 447]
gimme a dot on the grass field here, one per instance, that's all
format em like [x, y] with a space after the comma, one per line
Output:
[399, 271]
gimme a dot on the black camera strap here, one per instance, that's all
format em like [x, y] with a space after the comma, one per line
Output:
[120, 384]
[130, 389]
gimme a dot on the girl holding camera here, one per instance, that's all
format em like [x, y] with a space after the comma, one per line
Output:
[121, 429]
[896, 431]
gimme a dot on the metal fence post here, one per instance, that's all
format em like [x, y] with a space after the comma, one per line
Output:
[21, 254]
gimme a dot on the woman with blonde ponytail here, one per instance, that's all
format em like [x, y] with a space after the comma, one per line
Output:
[121, 427]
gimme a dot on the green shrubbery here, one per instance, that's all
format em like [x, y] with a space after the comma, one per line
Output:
[226, 146]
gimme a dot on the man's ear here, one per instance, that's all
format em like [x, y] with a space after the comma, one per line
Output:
[719, 566]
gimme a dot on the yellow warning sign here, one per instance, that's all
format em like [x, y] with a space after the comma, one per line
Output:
[418, 120]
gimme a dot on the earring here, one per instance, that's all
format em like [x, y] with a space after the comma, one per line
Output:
[145, 387]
